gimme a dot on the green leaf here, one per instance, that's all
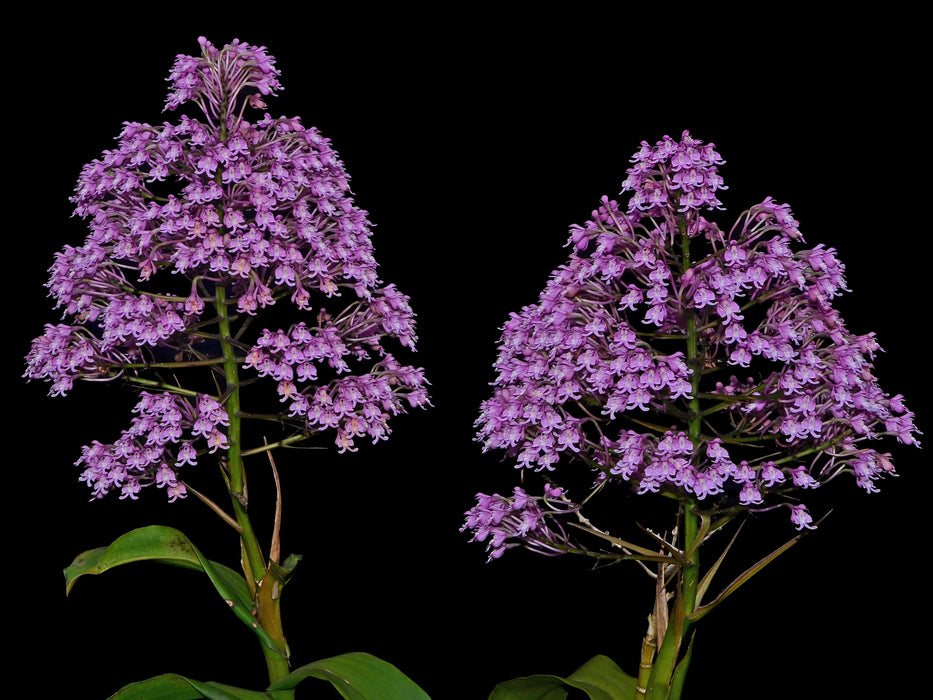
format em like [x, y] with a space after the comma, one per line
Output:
[170, 546]
[540, 687]
[600, 678]
[171, 686]
[163, 544]
[357, 676]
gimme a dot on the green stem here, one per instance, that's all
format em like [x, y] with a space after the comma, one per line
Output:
[694, 430]
[667, 665]
[260, 577]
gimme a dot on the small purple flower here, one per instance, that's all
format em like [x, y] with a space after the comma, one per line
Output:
[801, 518]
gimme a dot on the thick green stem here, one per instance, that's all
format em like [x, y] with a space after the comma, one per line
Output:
[670, 669]
[694, 431]
[260, 577]
[253, 554]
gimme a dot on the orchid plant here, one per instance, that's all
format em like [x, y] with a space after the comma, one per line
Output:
[704, 367]
[228, 279]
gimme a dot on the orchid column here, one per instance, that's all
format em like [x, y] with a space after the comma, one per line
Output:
[206, 233]
[671, 357]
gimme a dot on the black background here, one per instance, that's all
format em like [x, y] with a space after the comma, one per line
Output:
[475, 139]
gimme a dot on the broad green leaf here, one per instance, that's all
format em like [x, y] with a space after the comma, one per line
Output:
[163, 544]
[170, 546]
[356, 676]
[604, 673]
[539, 687]
[171, 686]
[600, 678]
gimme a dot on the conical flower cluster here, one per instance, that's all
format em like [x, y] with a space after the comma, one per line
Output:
[681, 358]
[198, 228]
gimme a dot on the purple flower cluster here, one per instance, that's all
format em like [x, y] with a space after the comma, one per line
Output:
[665, 352]
[354, 405]
[161, 439]
[504, 522]
[216, 216]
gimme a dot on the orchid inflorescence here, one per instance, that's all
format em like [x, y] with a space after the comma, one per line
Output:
[198, 228]
[670, 356]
